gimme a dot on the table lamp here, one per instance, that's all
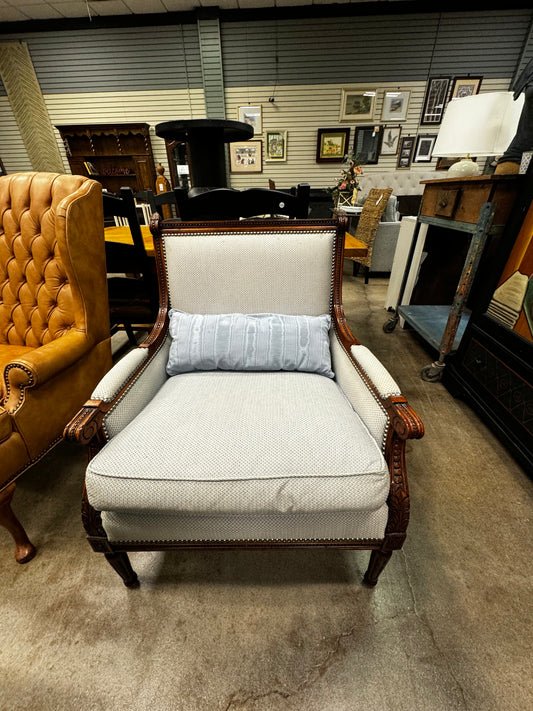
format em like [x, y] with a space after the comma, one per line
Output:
[480, 125]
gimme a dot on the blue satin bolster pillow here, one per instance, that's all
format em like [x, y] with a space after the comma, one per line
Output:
[249, 342]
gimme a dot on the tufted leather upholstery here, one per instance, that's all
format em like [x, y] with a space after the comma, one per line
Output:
[54, 320]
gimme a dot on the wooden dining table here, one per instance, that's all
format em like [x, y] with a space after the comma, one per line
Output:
[123, 236]
[353, 248]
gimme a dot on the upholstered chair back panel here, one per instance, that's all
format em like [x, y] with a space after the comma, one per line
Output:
[36, 296]
[274, 272]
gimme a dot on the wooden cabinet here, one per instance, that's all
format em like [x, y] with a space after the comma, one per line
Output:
[117, 155]
[493, 367]
[477, 208]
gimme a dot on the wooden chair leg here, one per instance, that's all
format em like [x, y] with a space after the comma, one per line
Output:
[378, 560]
[121, 563]
[24, 549]
[367, 274]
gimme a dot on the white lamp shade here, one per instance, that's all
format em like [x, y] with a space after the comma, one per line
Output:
[480, 125]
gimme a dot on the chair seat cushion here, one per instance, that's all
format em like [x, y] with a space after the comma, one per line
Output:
[240, 443]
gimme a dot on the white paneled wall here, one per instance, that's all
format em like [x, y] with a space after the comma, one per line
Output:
[302, 109]
[299, 109]
[150, 107]
[12, 150]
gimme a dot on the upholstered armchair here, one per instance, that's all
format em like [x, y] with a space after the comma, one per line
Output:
[251, 416]
[54, 320]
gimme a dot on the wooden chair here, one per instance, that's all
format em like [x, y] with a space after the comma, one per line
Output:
[229, 204]
[131, 282]
[162, 203]
[373, 209]
[251, 417]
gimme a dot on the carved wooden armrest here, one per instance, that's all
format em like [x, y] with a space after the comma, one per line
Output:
[404, 420]
[87, 423]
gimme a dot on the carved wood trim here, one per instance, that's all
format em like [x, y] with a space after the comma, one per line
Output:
[404, 420]
[87, 422]
[348, 544]
[285, 225]
[92, 523]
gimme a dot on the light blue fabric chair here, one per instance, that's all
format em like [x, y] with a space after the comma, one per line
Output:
[222, 456]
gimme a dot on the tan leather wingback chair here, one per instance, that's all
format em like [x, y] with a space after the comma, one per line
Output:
[54, 319]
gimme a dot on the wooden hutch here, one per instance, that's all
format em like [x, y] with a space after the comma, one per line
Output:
[117, 155]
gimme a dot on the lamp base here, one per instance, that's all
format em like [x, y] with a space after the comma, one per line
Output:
[464, 169]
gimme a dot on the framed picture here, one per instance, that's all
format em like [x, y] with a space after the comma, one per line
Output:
[395, 105]
[405, 155]
[435, 101]
[276, 145]
[332, 144]
[246, 157]
[253, 116]
[367, 144]
[357, 104]
[390, 140]
[465, 86]
[424, 147]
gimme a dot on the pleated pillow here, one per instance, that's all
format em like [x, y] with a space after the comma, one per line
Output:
[249, 342]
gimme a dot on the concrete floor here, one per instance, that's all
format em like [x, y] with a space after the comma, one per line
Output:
[448, 627]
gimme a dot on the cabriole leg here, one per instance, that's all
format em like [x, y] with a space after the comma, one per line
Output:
[121, 563]
[24, 549]
[378, 560]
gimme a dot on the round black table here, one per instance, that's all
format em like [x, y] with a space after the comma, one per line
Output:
[205, 140]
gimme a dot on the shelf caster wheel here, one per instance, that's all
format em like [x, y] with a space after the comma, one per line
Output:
[432, 373]
[390, 324]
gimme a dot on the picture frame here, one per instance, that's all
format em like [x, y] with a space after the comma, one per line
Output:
[390, 140]
[435, 101]
[246, 156]
[276, 145]
[332, 144]
[253, 116]
[367, 144]
[395, 105]
[465, 86]
[357, 104]
[424, 147]
[405, 154]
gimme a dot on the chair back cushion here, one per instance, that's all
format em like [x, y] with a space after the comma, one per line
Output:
[222, 269]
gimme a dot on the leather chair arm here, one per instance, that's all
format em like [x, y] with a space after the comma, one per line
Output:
[42, 364]
[6, 424]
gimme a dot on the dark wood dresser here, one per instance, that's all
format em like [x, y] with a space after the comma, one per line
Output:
[492, 369]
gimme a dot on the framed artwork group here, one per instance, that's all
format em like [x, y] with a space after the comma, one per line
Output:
[370, 140]
[247, 156]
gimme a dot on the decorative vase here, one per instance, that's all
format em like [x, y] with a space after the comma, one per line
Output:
[344, 199]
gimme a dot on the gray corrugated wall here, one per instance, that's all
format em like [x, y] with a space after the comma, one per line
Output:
[374, 48]
[310, 50]
[121, 59]
[210, 51]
